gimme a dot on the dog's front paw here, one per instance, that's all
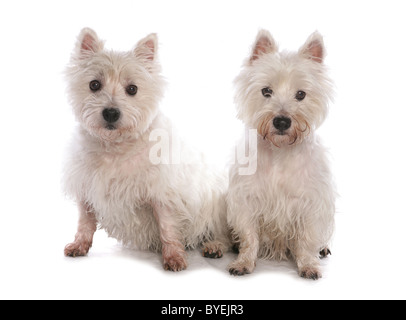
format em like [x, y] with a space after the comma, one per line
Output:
[77, 249]
[310, 273]
[175, 262]
[239, 269]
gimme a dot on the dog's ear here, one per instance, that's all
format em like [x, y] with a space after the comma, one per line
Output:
[88, 43]
[146, 49]
[314, 49]
[263, 44]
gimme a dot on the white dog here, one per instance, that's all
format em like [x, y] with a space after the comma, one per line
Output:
[287, 207]
[113, 172]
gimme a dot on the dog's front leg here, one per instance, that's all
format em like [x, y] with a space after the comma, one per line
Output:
[173, 251]
[248, 252]
[87, 226]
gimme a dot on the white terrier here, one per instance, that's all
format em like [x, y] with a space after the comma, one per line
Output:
[112, 172]
[287, 207]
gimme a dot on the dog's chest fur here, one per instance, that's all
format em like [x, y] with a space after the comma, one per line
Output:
[288, 172]
[120, 185]
[123, 177]
[290, 193]
[297, 195]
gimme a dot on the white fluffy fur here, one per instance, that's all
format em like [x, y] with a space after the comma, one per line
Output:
[287, 207]
[163, 207]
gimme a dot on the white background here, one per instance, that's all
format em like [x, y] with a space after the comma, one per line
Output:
[202, 46]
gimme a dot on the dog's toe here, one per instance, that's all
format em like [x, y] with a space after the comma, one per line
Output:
[174, 266]
[213, 250]
[240, 268]
[310, 273]
[77, 249]
[175, 263]
[238, 271]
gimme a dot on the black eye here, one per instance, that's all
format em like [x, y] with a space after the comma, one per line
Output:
[267, 92]
[95, 85]
[300, 95]
[131, 90]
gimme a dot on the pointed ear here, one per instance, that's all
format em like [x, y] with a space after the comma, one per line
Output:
[263, 44]
[88, 43]
[146, 48]
[314, 49]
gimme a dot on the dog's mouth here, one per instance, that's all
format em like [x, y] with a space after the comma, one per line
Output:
[281, 133]
[110, 127]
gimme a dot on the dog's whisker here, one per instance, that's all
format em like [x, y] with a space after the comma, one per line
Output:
[294, 139]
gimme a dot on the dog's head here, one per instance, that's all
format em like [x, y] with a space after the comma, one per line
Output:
[114, 95]
[283, 95]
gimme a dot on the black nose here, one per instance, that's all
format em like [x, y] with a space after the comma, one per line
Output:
[282, 123]
[111, 115]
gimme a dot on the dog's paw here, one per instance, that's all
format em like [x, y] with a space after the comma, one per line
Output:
[212, 250]
[239, 269]
[77, 249]
[310, 273]
[208, 253]
[324, 253]
[175, 263]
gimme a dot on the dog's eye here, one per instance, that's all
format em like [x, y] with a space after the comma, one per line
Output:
[131, 90]
[267, 92]
[95, 85]
[300, 95]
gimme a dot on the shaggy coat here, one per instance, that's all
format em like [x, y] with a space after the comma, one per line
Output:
[286, 208]
[129, 175]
